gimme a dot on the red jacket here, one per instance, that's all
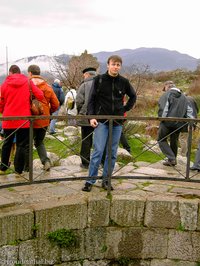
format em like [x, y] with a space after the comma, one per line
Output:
[50, 102]
[15, 99]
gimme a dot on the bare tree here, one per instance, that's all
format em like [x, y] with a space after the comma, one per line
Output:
[138, 75]
[70, 73]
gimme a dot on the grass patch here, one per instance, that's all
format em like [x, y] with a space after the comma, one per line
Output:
[146, 184]
[181, 227]
[123, 261]
[64, 148]
[63, 238]
[104, 248]
[137, 148]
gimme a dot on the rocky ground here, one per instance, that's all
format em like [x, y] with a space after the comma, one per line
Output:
[66, 178]
[139, 178]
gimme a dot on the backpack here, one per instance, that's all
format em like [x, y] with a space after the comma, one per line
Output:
[70, 102]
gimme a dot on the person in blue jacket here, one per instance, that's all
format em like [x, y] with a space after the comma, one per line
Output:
[61, 98]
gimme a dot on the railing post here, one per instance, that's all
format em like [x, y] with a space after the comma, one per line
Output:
[30, 154]
[189, 144]
[110, 154]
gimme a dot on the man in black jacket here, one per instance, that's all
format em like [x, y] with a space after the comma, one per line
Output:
[173, 103]
[107, 98]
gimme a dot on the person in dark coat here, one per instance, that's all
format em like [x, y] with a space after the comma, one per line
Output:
[107, 98]
[81, 104]
[173, 103]
[57, 88]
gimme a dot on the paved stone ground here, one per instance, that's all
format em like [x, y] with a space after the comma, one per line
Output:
[133, 179]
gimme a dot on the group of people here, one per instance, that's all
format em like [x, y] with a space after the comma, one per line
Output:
[108, 94]
[103, 95]
[15, 101]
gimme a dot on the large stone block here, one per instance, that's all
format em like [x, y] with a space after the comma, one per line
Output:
[198, 218]
[77, 252]
[113, 238]
[134, 242]
[189, 214]
[162, 213]
[184, 245]
[16, 225]
[131, 243]
[127, 210]
[47, 251]
[98, 212]
[8, 255]
[95, 243]
[155, 243]
[28, 253]
[70, 214]
[166, 262]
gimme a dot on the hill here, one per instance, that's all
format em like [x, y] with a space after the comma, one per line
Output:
[158, 59]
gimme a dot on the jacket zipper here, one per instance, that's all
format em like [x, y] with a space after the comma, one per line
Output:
[113, 88]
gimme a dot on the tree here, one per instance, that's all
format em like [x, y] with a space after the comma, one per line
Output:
[138, 75]
[70, 73]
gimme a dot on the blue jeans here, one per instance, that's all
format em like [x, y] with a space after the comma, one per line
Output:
[100, 142]
[53, 122]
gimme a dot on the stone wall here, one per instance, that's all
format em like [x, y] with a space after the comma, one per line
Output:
[123, 230]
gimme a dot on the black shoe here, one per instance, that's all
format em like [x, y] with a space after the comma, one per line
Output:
[52, 133]
[87, 187]
[105, 186]
[193, 168]
[84, 166]
[170, 163]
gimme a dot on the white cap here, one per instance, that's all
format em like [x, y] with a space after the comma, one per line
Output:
[57, 81]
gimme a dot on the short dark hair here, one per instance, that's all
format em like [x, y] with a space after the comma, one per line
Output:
[34, 69]
[14, 69]
[115, 58]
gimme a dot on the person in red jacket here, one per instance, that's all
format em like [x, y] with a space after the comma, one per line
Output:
[15, 101]
[50, 105]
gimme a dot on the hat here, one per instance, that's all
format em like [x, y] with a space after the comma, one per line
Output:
[88, 69]
[57, 81]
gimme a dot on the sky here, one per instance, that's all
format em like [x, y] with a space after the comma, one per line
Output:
[49, 27]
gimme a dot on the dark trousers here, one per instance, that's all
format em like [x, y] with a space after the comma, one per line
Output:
[22, 141]
[124, 142]
[38, 136]
[170, 149]
[86, 145]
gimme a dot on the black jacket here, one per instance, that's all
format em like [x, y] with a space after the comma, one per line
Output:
[107, 95]
[174, 103]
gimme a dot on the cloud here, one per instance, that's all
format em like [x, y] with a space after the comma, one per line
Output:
[70, 26]
[48, 13]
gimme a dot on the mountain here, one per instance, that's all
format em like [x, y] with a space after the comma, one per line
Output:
[158, 59]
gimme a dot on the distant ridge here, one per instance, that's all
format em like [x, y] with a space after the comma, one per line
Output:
[158, 59]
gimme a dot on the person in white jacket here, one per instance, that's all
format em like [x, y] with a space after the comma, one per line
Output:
[71, 112]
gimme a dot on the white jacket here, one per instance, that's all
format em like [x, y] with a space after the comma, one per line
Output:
[69, 94]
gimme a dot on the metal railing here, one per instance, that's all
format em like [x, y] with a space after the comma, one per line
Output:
[31, 180]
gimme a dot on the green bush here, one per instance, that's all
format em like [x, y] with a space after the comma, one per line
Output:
[63, 238]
